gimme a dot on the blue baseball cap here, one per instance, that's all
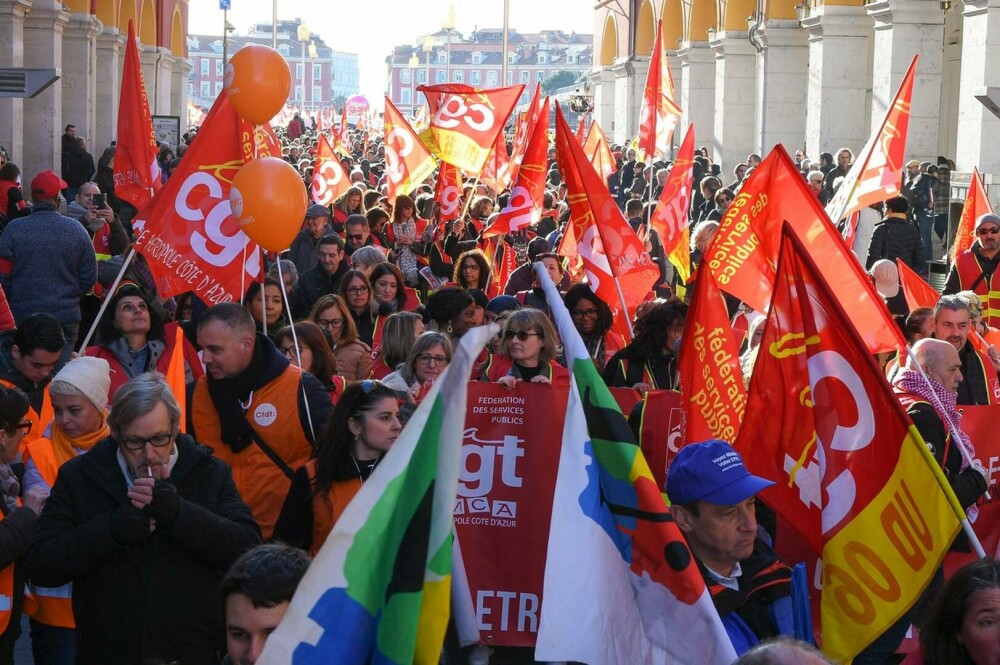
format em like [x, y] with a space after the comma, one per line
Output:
[711, 471]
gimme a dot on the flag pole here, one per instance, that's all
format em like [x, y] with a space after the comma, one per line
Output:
[107, 300]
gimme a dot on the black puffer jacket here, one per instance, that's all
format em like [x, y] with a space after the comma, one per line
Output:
[896, 238]
[158, 599]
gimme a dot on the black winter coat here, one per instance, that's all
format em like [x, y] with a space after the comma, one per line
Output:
[157, 600]
[896, 238]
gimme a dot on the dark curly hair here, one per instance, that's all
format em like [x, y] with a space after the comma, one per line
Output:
[651, 329]
[484, 269]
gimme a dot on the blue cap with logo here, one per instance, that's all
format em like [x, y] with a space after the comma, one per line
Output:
[711, 471]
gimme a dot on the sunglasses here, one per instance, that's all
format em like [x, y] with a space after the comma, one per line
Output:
[521, 335]
[25, 427]
[992, 231]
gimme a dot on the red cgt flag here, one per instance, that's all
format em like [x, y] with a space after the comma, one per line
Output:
[137, 173]
[670, 218]
[188, 234]
[917, 292]
[976, 203]
[465, 121]
[616, 263]
[525, 124]
[659, 112]
[744, 252]
[448, 194]
[712, 389]
[329, 179]
[599, 152]
[527, 198]
[407, 162]
[342, 136]
[877, 172]
[494, 173]
[852, 473]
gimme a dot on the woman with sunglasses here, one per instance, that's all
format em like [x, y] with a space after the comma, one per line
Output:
[362, 428]
[19, 520]
[649, 361]
[80, 401]
[312, 354]
[401, 330]
[528, 349]
[333, 316]
[592, 318]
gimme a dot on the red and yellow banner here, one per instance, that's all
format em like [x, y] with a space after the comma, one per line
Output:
[659, 113]
[527, 198]
[709, 364]
[744, 252]
[670, 218]
[136, 171]
[407, 162]
[977, 203]
[853, 475]
[329, 180]
[448, 193]
[188, 234]
[599, 152]
[465, 121]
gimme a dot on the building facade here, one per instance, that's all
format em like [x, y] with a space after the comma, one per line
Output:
[84, 41]
[822, 79]
[478, 61]
[319, 74]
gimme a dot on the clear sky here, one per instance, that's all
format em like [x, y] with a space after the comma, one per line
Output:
[371, 28]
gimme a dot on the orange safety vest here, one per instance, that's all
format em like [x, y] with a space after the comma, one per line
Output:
[988, 288]
[6, 591]
[51, 606]
[274, 415]
[328, 507]
[986, 367]
[39, 421]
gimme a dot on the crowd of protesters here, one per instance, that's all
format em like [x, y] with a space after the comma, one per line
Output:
[118, 513]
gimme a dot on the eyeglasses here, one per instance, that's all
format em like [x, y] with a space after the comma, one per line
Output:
[25, 427]
[521, 335]
[584, 313]
[356, 290]
[157, 440]
[992, 231]
[290, 351]
[330, 323]
[428, 359]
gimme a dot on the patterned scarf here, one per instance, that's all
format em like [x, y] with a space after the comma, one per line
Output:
[9, 489]
[912, 382]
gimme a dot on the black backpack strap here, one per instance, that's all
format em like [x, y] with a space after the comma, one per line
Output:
[273, 456]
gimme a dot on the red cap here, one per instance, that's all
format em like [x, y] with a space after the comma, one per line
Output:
[47, 185]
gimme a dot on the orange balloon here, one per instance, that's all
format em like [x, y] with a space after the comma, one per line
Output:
[268, 198]
[257, 82]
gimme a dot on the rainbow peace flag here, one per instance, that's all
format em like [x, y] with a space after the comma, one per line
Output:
[379, 589]
[621, 585]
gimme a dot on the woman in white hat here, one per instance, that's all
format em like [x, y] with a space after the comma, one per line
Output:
[80, 400]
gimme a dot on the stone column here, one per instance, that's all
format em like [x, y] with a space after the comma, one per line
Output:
[782, 75]
[110, 58]
[978, 127]
[79, 77]
[43, 37]
[630, 81]
[735, 72]
[603, 81]
[12, 13]
[840, 51]
[675, 71]
[149, 58]
[164, 82]
[697, 91]
[904, 28]
[179, 89]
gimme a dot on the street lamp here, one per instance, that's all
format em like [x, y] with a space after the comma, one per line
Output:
[448, 26]
[303, 35]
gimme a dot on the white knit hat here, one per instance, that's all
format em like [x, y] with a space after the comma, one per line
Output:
[91, 376]
[886, 276]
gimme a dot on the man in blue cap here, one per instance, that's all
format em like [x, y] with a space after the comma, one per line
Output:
[712, 495]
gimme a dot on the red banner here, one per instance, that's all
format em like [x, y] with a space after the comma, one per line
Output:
[509, 461]
[465, 121]
[917, 292]
[976, 203]
[187, 233]
[670, 218]
[136, 171]
[448, 193]
[659, 112]
[329, 179]
[494, 173]
[407, 162]
[527, 198]
[599, 152]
